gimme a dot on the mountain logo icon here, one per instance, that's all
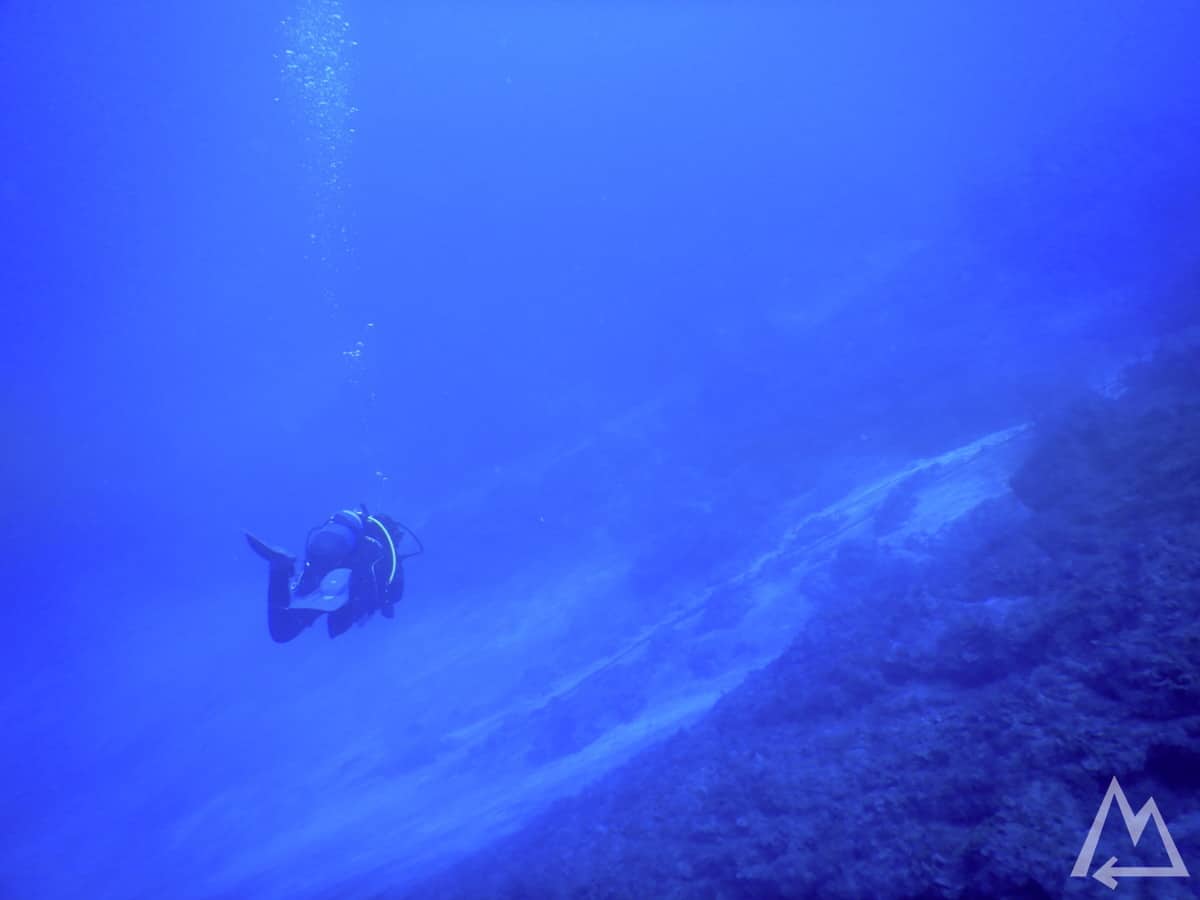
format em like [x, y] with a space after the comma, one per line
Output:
[1135, 824]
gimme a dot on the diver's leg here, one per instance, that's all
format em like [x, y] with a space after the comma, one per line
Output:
[284, 623]
[340, 620]
[279, 588]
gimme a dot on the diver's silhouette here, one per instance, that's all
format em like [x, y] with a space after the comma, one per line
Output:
[353, 566]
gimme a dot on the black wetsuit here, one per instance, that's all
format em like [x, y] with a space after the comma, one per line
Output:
[370, 564]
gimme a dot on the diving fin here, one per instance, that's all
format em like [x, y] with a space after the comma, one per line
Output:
[271, 554]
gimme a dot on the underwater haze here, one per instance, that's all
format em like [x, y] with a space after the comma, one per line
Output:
[798, 406]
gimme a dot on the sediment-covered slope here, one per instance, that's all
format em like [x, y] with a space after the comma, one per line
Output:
[475, 777]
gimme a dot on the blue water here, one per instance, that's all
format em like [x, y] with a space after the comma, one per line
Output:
[603, 300]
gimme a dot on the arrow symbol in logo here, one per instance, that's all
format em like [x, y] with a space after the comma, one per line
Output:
[1108, 873]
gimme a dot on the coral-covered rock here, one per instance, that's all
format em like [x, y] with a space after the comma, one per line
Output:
[939, 729]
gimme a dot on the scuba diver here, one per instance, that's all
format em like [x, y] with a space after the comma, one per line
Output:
[352, 567]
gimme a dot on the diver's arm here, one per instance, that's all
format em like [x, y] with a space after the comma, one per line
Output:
[363, 591]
